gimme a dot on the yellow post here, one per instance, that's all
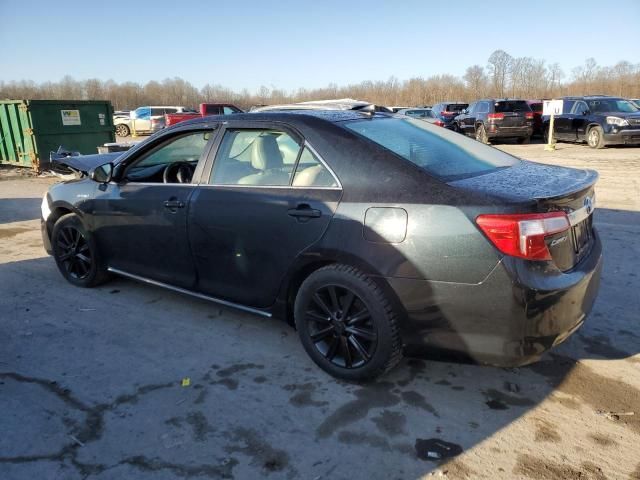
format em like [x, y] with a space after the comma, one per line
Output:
[551, 145]
[134, 134]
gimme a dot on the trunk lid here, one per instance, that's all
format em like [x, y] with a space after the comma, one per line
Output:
[533, 187]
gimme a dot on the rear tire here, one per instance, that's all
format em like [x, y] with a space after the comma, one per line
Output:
[122, 130]
[76, 253]
[481, 134]
[595, 137]
[346, 324]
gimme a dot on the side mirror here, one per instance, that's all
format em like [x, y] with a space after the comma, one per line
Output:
[102, 174]
[586, 112]
[464, 111]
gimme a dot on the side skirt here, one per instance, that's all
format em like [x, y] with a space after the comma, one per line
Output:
[189, 292]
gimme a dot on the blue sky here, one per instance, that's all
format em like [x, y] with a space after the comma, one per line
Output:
[291, 44]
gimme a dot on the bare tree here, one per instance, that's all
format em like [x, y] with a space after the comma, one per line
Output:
[499, 64]
[476, 81]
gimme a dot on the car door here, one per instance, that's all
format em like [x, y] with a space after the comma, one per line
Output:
[142, 119]
[468, 120]
[562, 123]
[266, 198]
[140, 221]
[580, 121]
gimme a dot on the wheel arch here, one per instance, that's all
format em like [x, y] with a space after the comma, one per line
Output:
[311, 263]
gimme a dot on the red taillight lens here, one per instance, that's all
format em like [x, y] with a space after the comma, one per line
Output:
[528, 115]
[439, 123]
[522, 235]
[495, 116]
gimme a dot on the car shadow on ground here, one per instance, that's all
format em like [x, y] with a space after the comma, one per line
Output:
[130, 380]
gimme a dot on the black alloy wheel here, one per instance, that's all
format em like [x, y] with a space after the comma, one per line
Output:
[341, 327]
[74, 253]
[347, 323]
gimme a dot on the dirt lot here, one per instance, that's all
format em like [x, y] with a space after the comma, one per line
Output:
[91, 380]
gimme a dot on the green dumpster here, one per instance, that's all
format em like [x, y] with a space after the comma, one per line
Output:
[31, 129]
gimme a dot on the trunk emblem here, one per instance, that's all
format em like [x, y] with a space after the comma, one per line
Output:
[588, 204]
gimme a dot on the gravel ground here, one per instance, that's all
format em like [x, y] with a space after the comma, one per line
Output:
[91, 381]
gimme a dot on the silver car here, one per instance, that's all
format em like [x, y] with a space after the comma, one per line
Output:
[146, 120]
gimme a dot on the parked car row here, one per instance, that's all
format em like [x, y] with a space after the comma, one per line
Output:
[150, 119]
[598, 120]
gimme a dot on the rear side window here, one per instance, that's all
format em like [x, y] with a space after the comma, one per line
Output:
[157, 111]
[511, 106]
[255, 157]
[442, 153]
[310, 172]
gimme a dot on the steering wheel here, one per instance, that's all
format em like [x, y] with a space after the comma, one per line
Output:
[178, 172]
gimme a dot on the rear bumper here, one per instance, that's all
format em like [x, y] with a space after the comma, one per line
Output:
[508, 132]
[511, 318]
[623, 137]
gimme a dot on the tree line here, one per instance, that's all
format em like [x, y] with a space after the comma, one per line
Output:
[502, 76]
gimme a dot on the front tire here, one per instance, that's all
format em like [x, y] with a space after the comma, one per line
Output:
[481, 134]
[76, 254]
[595, 137]
[346, 324]
[122, 130]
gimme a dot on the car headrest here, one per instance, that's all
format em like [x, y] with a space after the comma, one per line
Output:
[265, 154]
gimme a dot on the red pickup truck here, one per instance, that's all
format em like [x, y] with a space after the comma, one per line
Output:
[205, 109]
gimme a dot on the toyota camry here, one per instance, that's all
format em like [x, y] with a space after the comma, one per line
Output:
[372, 234]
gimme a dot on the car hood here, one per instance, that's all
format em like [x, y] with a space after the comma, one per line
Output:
[527, 181]
[620, 114]
[84, 163]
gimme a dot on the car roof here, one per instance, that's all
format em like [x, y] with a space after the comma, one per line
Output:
[591, 97]
[293, 116]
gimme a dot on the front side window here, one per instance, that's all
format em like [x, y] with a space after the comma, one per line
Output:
[310, 172]
[255, 157]
[229, 110]
[579, 108]
[442, 153]
[187, 148]
[612, 105]
[483, 107]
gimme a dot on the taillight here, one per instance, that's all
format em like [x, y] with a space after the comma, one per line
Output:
[522, 235]
[439, 123]
[528, 115]
[495, 116]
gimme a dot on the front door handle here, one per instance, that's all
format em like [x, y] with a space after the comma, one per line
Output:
[304, 211]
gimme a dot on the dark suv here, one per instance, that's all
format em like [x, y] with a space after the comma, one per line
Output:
[598, 120]
[447, 111]
[493, 118]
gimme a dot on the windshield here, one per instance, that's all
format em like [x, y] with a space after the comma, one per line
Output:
[443, 153]
[612, 105]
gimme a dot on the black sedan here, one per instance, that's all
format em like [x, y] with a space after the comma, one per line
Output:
[373, 234]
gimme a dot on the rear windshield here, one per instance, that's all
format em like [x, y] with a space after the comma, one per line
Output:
[536, 107]
[455, 107]
[441, 152]
[512, 106]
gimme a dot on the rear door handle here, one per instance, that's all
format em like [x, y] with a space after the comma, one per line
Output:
[304, 211]
[173, 204]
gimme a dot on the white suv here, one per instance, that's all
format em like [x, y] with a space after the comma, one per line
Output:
[146, 120]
